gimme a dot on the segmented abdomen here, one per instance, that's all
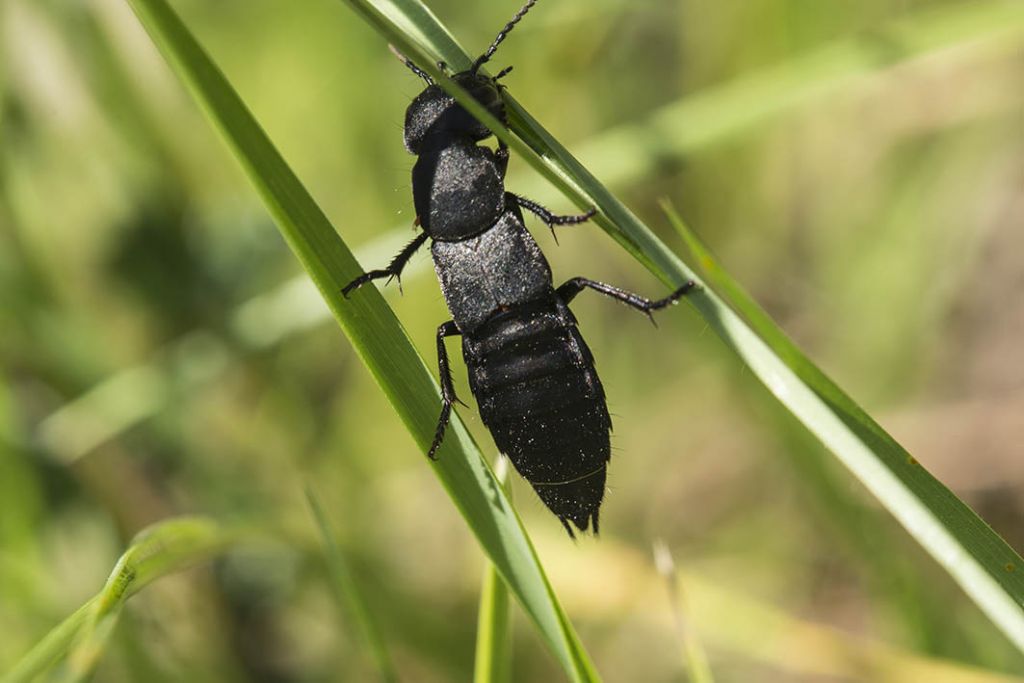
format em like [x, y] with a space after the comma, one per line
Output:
[539, 395]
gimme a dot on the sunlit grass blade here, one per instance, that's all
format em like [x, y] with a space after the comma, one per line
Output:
[375, 334]
[693, 655]
[990, 572]
[975, 556]
[348, 592]
[159, 550]
[493, 659]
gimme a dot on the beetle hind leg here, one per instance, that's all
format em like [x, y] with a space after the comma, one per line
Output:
[448, 396]
[571, 288]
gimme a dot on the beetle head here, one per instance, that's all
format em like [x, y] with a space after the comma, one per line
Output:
[435, 111]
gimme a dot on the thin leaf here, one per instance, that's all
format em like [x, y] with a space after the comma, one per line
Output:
[348, 593]
[159, 550]
[694, 656]
[375, 334]
[492, 662]
[988, 569]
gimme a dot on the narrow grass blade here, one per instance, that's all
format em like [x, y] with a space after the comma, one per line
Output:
[52, 648]
[159, 550]
[990, 572]
[493, 658]
[349, 595]
[375, 334]
[694, 657]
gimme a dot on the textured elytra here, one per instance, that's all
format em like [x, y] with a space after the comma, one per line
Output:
[539, 395]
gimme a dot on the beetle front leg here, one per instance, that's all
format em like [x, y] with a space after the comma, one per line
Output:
[394, 269]
[550, 219]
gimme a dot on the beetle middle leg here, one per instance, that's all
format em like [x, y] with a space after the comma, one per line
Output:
[394, 269]
[571, 288]
[448, 396]
[550, 219]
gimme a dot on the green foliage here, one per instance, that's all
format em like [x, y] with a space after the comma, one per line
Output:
[157, 551]
[856, 167]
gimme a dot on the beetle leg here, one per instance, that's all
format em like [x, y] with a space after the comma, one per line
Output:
[501, 156]
[448, 396]
[549, 218]
[571, 288]
[394, 269]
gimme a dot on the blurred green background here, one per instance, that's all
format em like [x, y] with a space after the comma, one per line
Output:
[162, 352]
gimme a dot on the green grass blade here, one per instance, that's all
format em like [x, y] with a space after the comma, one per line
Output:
[348, 593]
[375, 333]
[52, 648]
[492, 662]
[990, 572]
[694, 657]
[159, 550]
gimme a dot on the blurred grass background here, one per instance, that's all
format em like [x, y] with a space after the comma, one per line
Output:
[158, 358]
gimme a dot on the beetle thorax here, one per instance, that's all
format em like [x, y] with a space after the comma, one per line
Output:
[457, 188]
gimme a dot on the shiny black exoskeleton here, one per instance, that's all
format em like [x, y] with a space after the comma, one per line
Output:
[529, 368]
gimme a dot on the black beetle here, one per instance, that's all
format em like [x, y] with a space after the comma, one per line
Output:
[530, 370]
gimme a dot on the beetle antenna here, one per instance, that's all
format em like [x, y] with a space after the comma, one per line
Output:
[502, 34]
[412, 67]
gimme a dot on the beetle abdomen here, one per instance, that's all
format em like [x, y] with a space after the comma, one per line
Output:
[539, 395]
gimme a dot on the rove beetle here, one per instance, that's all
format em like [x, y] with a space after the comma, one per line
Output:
[530, 370]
